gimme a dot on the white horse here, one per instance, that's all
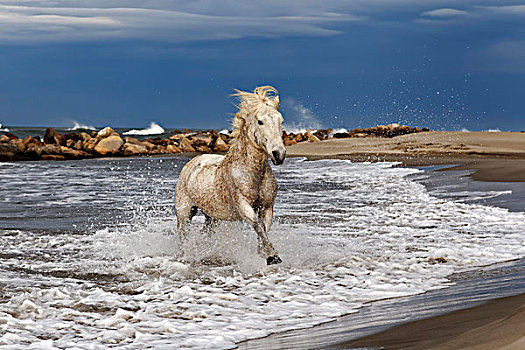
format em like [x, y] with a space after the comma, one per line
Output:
[240, 185]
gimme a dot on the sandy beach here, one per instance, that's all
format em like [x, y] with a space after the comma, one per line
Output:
[491, 156]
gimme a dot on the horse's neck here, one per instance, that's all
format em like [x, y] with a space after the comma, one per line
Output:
[246, 151]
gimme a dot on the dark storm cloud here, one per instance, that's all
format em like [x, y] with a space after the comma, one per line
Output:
[349, 63]
[70, 21]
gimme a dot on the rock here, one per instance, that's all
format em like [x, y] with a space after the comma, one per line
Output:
[10, 152]
[106, 132]
[30, 140]
[311, 137]
[70, 143]
[34, 151]
[132, 140]
[69, 153]
[150, 146]
[20, 144]
[84, 136]
[158, 141]
[201, 140]
[220, 145]
[186, 146]
[73, 136]
[159, 149]
[109, 145]
[180, 136]
[321, 134]
[289, 142]
[341, 135]
[78, 145]
[173, 149]
[53, 157]
[89, 145]
[203, 149]
[51, 149]
[53, 137]
[225, 137]
[299, 137]
[132, 149]
[4, 138]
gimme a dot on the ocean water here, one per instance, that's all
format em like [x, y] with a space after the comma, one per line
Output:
[90, 258]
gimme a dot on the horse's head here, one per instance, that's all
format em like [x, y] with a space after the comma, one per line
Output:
[262, 121]
[268, 130]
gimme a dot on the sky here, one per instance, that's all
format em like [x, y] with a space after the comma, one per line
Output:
[447, 65]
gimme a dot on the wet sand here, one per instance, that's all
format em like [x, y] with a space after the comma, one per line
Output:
[493, 157]
[496, 324]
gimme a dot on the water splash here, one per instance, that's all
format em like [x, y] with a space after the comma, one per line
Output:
[298, 117]
[80, 126]
[5, 129]
[153, 129]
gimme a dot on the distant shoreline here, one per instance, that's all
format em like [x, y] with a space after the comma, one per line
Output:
[493, 156]
[107, 142]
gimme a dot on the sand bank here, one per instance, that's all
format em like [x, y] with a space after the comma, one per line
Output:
[493, 156]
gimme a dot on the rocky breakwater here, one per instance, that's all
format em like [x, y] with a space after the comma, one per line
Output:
[108, 143]
[390, 130]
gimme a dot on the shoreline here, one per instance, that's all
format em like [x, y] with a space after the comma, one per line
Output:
[489, 168]
[495, 324]
[446, 326]
[421, 321]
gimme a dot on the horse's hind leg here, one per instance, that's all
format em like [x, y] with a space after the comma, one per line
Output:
[184, 215]
[210, 224]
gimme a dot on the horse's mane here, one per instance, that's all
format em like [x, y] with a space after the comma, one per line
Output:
[249, 102]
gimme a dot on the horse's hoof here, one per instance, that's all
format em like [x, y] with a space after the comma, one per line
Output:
[272, 260]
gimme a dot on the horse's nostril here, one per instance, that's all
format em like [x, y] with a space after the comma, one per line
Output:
[278, 157]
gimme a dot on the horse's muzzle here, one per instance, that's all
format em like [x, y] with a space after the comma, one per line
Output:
[278, 157]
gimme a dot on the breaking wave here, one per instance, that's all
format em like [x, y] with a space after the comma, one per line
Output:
[154, 129]
[79, 126]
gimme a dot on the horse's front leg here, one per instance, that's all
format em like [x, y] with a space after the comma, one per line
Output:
[265, 248]
[266, 217]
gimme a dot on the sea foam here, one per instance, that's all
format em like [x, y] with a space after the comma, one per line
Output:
[348, 234]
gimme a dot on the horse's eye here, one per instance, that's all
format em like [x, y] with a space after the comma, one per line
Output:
[260, 122]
